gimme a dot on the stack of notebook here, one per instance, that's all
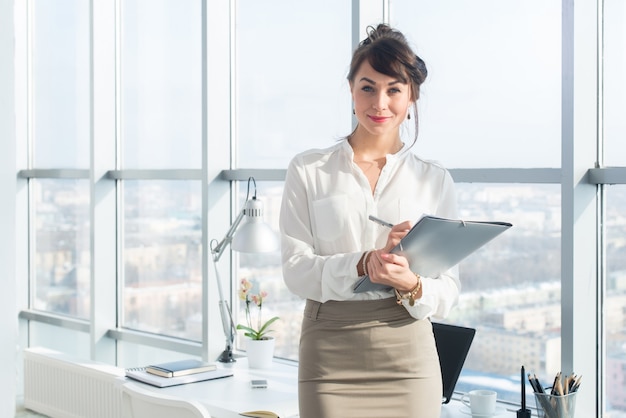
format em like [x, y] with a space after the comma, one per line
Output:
[177, 373]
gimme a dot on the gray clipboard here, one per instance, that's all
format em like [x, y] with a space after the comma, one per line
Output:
[435, 244]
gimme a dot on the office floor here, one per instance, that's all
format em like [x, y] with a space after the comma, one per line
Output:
[20, 412]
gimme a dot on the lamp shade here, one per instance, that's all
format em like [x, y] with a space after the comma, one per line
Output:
[254, 235]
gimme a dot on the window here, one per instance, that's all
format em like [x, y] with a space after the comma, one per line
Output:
[161, 84]
[492, 96]
[615, 226]
[292, 91]
[161, 128]
[59, 139]
[186, 100]
[61, 246]
[162, 257]
[614, 82]
[615, 301]
[515, 309]
[60, 84]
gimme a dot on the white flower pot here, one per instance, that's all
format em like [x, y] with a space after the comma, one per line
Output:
[260, 353]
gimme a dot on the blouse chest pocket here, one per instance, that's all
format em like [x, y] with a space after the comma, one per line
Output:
[329, 216]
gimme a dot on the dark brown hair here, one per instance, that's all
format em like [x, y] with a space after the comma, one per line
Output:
[388, 52]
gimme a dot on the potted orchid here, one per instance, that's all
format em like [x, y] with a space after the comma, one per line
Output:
[258, 333]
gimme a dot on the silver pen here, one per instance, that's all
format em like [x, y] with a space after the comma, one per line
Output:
[380, 221]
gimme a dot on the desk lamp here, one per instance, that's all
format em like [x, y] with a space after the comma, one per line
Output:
[255, 236]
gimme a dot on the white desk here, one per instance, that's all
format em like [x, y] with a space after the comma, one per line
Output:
[227, 397]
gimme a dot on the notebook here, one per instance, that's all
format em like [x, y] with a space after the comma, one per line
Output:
[180, 368]
[142, 375]
[453, 344]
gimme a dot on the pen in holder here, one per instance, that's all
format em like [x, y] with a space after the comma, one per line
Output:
[550, 405]
[558, 401]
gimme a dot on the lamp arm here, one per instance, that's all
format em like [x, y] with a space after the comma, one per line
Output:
[228, 324]
[218, 250]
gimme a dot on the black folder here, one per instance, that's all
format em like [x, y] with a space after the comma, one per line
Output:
[435, 244]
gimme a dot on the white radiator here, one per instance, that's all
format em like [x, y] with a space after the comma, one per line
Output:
[60, 387]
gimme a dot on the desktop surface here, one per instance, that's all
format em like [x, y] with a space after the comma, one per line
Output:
[228, 397]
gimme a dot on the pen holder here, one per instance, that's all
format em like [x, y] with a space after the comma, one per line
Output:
[555, 406]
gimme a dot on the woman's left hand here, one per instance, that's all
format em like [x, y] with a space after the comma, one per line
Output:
[390, 269]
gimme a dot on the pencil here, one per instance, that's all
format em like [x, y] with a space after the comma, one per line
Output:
[539, 387]
[556, 384]
[532, 383]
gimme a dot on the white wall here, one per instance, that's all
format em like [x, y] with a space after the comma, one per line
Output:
[8, 292]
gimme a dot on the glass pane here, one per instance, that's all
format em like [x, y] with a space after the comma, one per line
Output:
[68, 341]
[61, 246]
[161, 84]
[515, 310]
[615, 301]
[493, 94]
[614, 82]
[292, 92]
[60, 84]
[264, 270]
[162, 257]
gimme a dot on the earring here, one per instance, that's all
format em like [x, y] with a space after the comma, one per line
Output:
[408, 116]
[353, 112]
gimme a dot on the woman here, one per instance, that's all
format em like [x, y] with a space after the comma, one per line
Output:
[368, 354]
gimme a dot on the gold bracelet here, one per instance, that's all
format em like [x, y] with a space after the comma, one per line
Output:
[411, 295]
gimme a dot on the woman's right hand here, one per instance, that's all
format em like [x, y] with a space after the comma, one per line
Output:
[384, 270]
[397, 232]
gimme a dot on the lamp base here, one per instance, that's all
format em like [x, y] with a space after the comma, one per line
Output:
[226, 356]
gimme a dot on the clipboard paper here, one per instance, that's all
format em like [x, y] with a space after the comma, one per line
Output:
[435, 244]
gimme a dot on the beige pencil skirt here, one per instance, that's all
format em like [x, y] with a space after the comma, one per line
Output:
[367, 359]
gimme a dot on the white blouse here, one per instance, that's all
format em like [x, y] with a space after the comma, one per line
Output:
[325, 228]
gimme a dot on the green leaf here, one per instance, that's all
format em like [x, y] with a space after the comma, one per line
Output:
[257, 335]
